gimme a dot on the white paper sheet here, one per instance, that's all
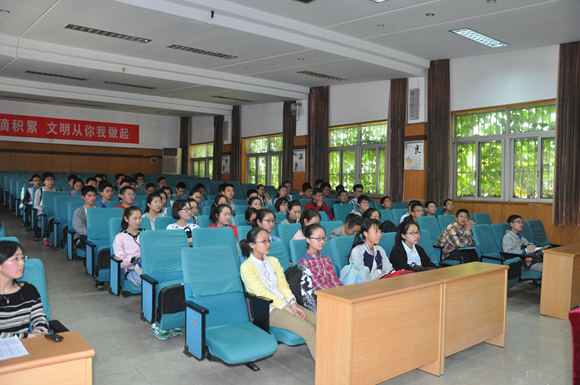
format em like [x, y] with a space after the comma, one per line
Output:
[11, 348]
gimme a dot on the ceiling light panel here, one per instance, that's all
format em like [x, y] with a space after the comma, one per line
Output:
[201, 51]
[479, 38]
[322, 76]
[107, 33]
[56, 75]
[234, 99]
[130, 85]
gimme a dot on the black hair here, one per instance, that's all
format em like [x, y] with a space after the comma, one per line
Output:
[161, 191]
[165, 188]
[512, 218]
[316, 191]
[124, 180]
[367, 214]
[87, 189]
[104, 184]
[260, 185]
[279, 204]
[149, 185]
[47, 175]
[286, 181]
[250, 192]
[78, 180]
[307, 216]
[72, 177]
[261, 215]
[356, 186]
[216, 211]
[383, 199]
[160, 179]
[248, 215]
[415, 205]
[177, 206]
[318, 181]
[34, 176]
[339, 187]
[222, 187]
[308, 230]
[199, 186]
[353, 220]
[150, 198]
[403, 227]
[194, 190]
[342, 191]
[293, 204]
[429, 202]
[447, 200]
[139, 175]
[362, 198]
[245, 248]
[306, 186]
[7, 251]
[325, 185]
[131, 180]
[359, 239]
[216, 200]
[462, 211]
[119, 175]
[124, 189]
[91, 179]
[127, 214]
[252, 199]
[180, 185]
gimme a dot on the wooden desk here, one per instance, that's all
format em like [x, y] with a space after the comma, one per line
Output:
[48, 362]
[475, 300]
[560, 281]
[371, 332]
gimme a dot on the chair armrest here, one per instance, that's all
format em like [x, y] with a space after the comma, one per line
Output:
[57, 327]
[555, 245]
[195, 330]
[511, 255]
[148, 297]
[90, 258]
[259, 311]
[501, 259]
[198, 308]
[115, 275]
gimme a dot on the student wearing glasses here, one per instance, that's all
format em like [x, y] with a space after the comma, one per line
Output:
[265, 219]
[455, 237]
[407, 254]
[181, 210]
[264, 277]
[21, 311]
[323, 275]
[514, 243]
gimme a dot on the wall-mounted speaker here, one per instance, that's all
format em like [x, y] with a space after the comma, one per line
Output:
[414, 95]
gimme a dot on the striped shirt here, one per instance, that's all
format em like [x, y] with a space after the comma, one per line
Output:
[22, 313]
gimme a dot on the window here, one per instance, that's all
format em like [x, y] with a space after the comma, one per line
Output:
[357, 155]
[264, 160]
[505, 154]
[202, 160]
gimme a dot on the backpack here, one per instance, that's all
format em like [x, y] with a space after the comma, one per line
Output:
[353, 273]
[294, 277]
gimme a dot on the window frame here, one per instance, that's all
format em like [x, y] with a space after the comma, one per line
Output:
[508, 140]
[207, 159]
[268, 154]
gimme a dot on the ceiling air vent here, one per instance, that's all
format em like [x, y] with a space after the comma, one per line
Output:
[131, 85]
[56, 76]
[85, 105]
[20, 98]
[234, 99]
[304, 1]
[107, 33]
[201, 51]
[322, 76]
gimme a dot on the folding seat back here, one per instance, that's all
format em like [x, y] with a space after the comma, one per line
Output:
[331, 225]
[341, 211]
[243, 231]
[387, 242]
[162, 296]
[2, 231]
[439, 211]
[303, 203]
[340, 249]
[239, 202]
[217, 317]
[536, 228]
[431, 225]
[499, 230]
[482, 218]
[35, 275]
[527, 233]
[298, 248]
[484, 241]
[97, 251]
[397, 214]
[112, 203]
[401, 205]
[330, 203]
[72, 251]
[271, 207]
[212, 187]
[425, 241]
[386, 215]
[286, 231]
[219, 236]
[241, 208]
[279, 250]
[61, 215]
[203, 221]
[48, 207]
[240, 219]
[445, 220]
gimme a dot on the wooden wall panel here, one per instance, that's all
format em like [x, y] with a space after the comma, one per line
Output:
[494, 210]
[301, 142]
[415, 185]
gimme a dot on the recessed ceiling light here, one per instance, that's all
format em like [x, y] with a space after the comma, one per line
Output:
[491, 1]
[107, 33]
[201, 51]
[270, 64]
[378, 1]
[300, 58]
[429, 14]
[246, 69]
[380, 25]
[4, 11]
[478, 37]
[322, 76]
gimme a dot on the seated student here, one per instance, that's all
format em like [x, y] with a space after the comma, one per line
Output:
[255, 202]
[168, 193]
[77, 186]
[320, 266]
[127, 196]
[265, 219]
[92, 182]
[263, 276]
[363, 203]
[339, 187]
[201, 188]
[150, 188]
[294, 212]
[386, 226]
[28, 200]
[106, 191]
[415, 211]
[132, 182]
[118, 178]
[125, 182]
[357, 191]
[318, 183]
[71, 180]
[514, 243]
[163, 195]
[456, 236]
[318, 204]
[407, 254]
[153, 209]
[308, 218]
[126, 244]
[194, 208]
[99, 178]
[250, 215]
[306, 192]
[221, 216]
[228, 190]
[411, 203]
[430, 208]
[386, 202]
[140, 179]
[181, 210]
[48, 180]
[352, 225]
[21, 311]
[289, 189]
[281, 206]
[197, 196]
[282, 194]
[219, 200]
[264, 197]
[325, 187]
[448, 207]
[366, 250]
[342, 197]
[161, 182]
[79, 220]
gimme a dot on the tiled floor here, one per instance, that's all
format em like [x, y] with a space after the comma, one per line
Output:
[538, 349]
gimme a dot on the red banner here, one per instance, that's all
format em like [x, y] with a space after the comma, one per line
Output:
[67, 129]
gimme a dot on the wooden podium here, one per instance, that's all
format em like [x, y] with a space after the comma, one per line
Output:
[560, 281]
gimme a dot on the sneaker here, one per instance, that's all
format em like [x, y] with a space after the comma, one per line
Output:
[46, 244]
[175, 332]
[37, 238]
[159, 333]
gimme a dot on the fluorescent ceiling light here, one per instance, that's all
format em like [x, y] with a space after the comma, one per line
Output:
[378, 1]
[478, 37]
[322, 76]
[130, 85]
[202, 52]
[107, 33]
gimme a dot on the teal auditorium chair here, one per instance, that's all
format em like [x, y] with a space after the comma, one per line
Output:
[161, 223]
[330, 203]
[203, 221]
[425, 241]
[539, 237]
[445, 220]
[339, 250]
[240, 219]
[112, 203]
[222, 236]
[439, 211]
[2, 231]
[243, 231]
[61, 217]
[386, 215]
[286, 231]
[72, 251]
[48, 212]
[401, 205]
[330, 225]
[397, 214]
[487, 250]
[431, 225]
[278, 250]
[298, 248]
[341, 211]
[162, 296]
[98, 259]
[482, 218]
[218, 324]
[387, 242]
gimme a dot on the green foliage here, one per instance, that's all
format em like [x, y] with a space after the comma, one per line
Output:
[485, 123]
[533, 119]
[548, 154]
[466, 169]
[257, 145]
[373, 134]
[341, 137]
[252, 170]
[210, 171]
[348, 169]
[199, 151]
[276, 144]
[275, 172]
[490, 181]
[262, 170]
[381, 171]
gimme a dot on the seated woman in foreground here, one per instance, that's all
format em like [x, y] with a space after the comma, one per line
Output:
[264, 277]
[21, 311]
[407, 254]
[367, 252]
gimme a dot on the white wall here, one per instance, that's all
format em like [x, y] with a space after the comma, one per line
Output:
[155, 131]
[359, 102]
[504, 78]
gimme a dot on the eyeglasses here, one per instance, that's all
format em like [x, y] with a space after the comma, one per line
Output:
[463, 217]
[273, 221]
[17, 259]
[266, 241]
[519, 221]
[319, 239]
[189, 209]
[413, 233]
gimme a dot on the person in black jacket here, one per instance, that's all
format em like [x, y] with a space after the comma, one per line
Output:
[407, 254]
